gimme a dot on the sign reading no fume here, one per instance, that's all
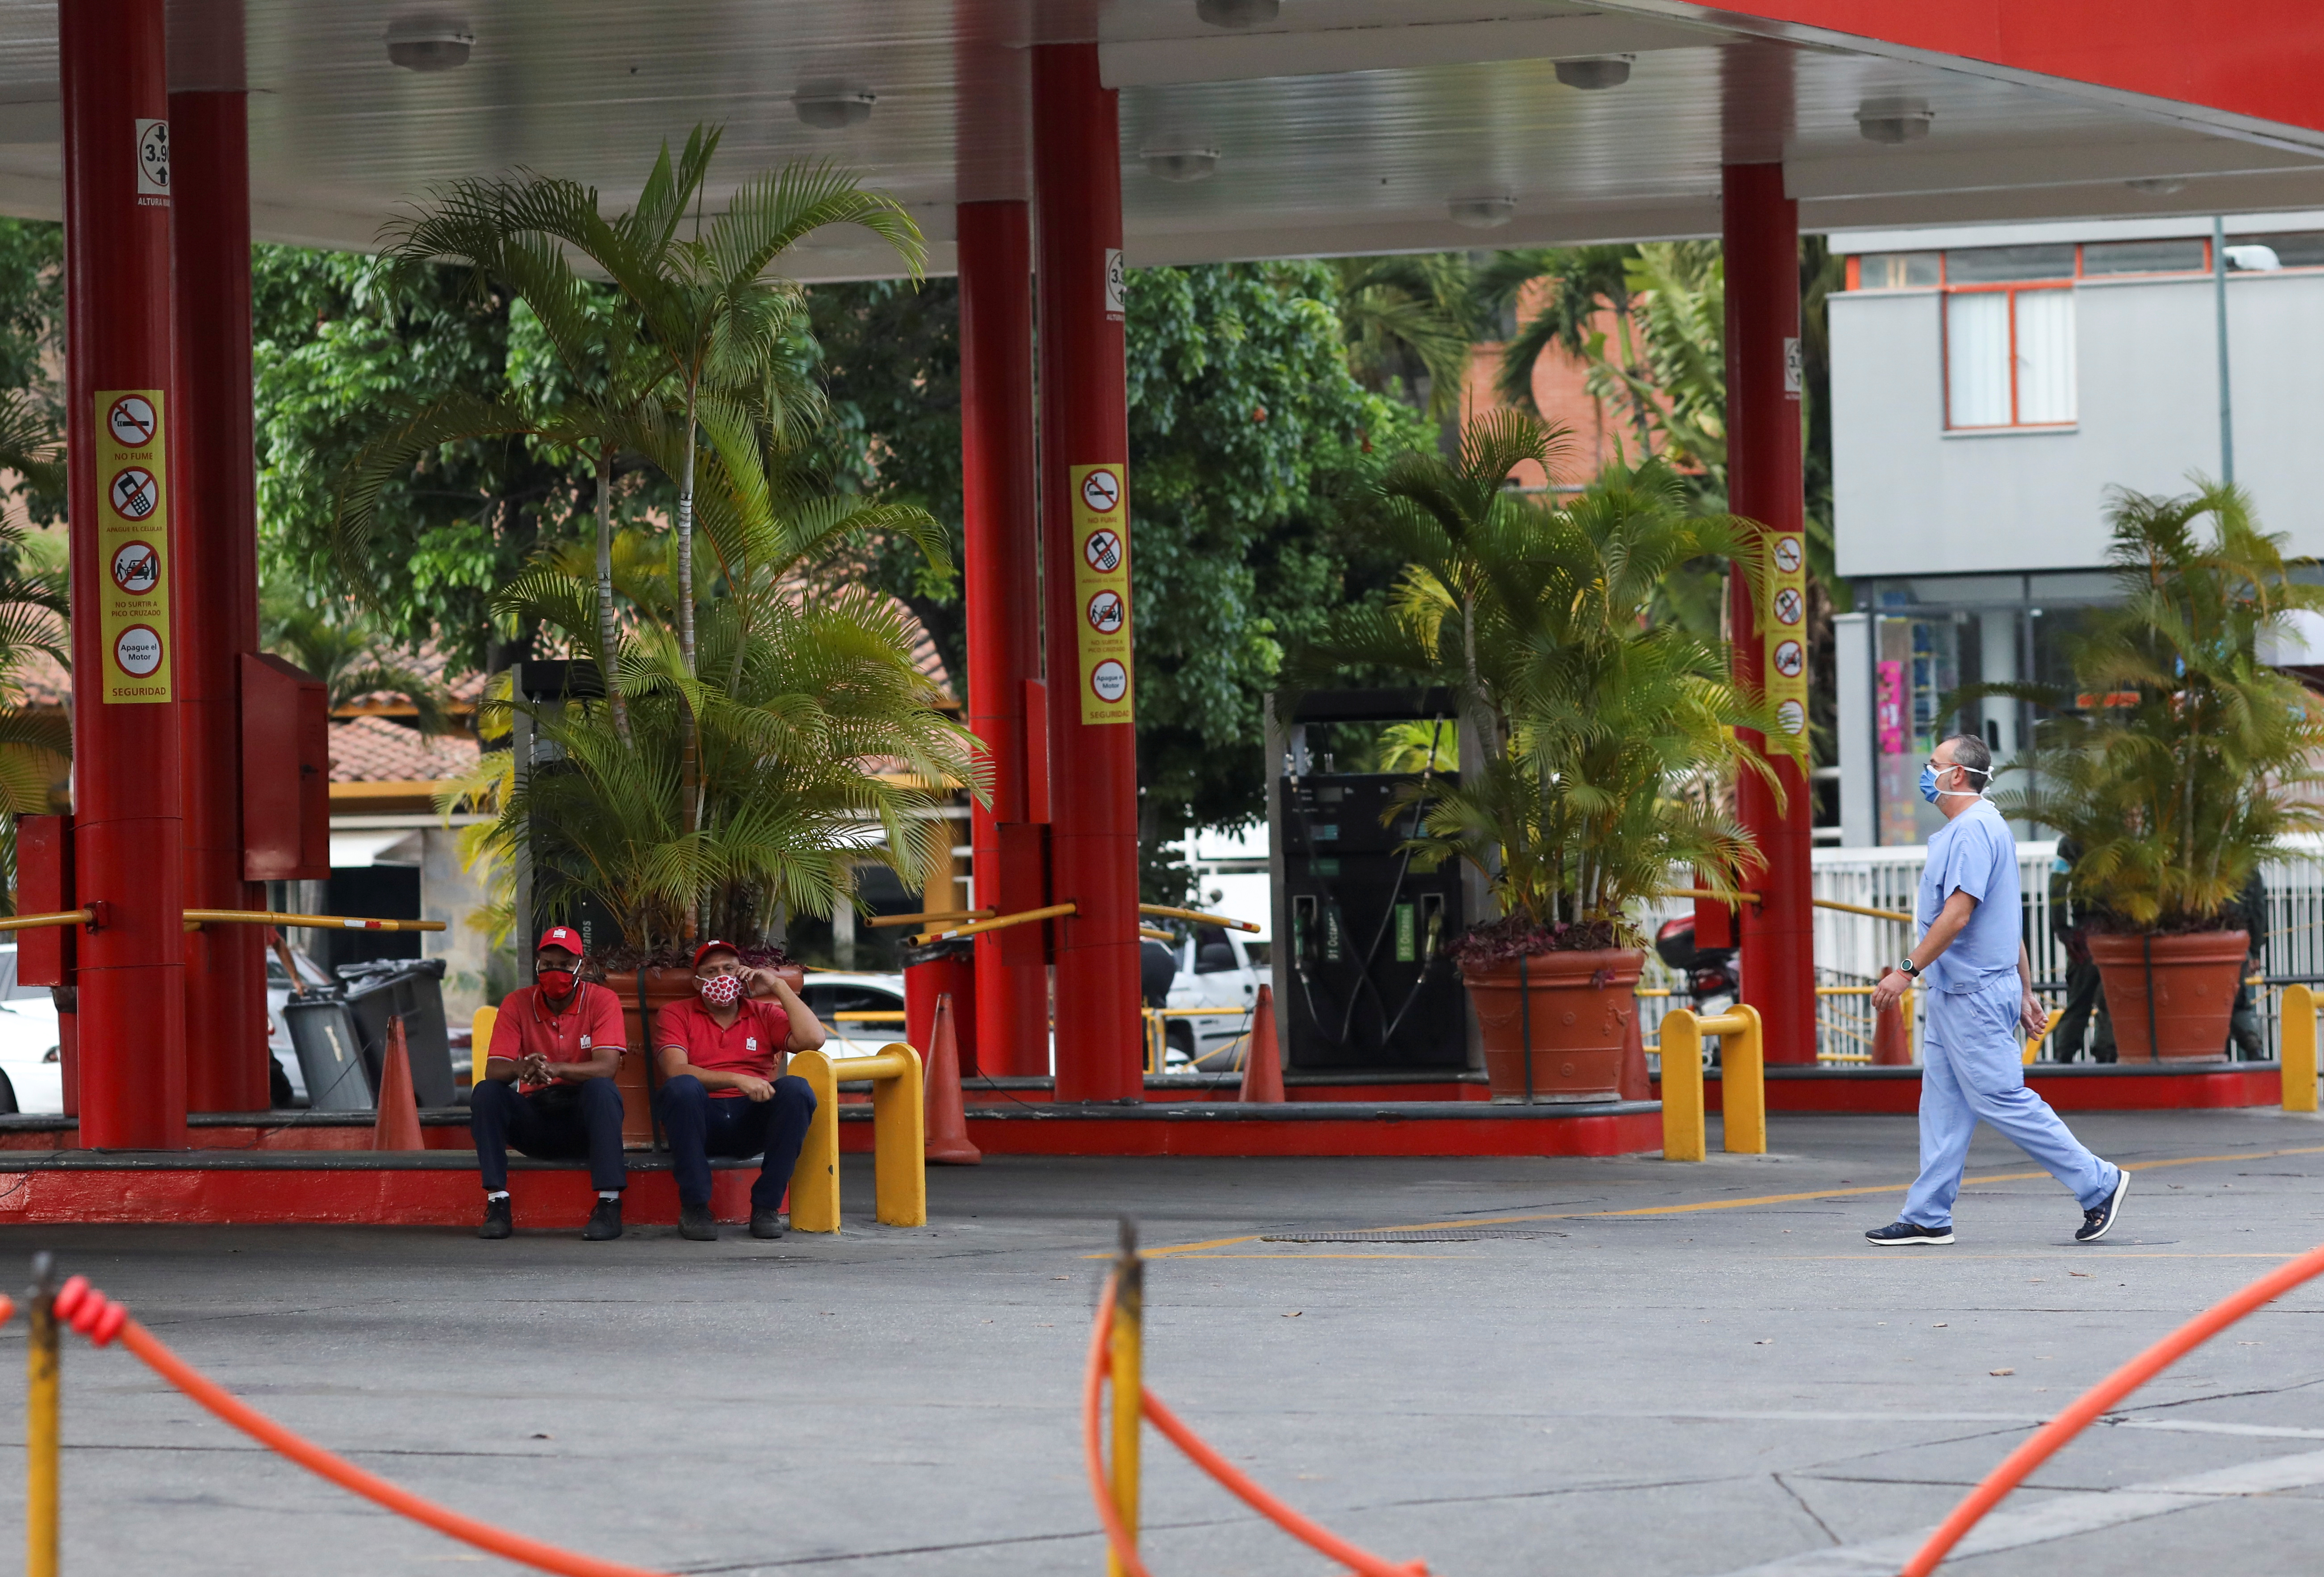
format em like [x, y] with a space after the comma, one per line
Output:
[1102, 590]
[1783, 668]
[132, 525]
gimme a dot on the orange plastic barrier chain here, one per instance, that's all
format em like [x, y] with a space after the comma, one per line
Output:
[2093, 1402]
[101, 1320]
[1321, 1539]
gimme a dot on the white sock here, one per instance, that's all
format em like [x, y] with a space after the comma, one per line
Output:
[609, 1194]
[497, 1193]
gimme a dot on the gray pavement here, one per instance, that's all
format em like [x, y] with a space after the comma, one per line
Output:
[1690, 1392]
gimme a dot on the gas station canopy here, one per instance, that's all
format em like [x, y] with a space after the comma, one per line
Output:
[1309, 127]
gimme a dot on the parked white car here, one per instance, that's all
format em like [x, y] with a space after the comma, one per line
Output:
[31, 1070]
[1216, 968]
[828, 994]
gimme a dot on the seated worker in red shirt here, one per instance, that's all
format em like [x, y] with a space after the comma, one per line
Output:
[721, 1094]
[547, 1084]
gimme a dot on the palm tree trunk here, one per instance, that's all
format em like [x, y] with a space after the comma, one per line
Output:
[606, 638]
[689, 768]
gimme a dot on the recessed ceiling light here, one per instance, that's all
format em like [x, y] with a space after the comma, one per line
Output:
[2158, 185]
[1482, 212]
[1237, 13]
[831, 106]
[1893, 120]
[1606, 72]
[430, 42]
[1181, 165]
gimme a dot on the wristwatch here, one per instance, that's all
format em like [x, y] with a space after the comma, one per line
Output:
[1909, 967]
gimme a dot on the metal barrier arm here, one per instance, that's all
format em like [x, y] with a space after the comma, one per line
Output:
[304, 922]
[1165, 912]
[36, 922]
[877, 921]
[1898, 915]
[1000, 922]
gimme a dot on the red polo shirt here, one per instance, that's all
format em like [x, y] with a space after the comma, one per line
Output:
[751, 1045]
[590, 1022]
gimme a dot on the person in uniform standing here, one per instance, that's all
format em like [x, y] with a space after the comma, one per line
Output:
[547, 1085]
[2085, 1003]
[1980, 994]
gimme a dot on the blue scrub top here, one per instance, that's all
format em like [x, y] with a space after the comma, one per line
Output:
[1973, 854]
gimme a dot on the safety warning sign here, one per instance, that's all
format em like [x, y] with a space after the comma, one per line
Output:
[1783, 668]
[132, 525]
[1102, 585]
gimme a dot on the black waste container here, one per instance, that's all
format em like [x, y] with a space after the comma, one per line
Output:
[331, 1053]
[413, 988]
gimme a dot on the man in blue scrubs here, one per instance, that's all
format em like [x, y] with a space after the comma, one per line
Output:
[1980, 989]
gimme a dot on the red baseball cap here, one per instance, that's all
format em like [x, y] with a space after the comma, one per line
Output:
[708, 948]
[564, 936]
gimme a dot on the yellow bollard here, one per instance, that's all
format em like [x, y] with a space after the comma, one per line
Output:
[2296, 1041]
[1128, 1365]
[815, 1181]
[40, 1433]
[1683, 1134]
[1742, 1079]
[900, 1139]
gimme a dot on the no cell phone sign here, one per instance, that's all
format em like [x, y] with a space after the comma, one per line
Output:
[137, 567]
[1102, 551]
[132, 421]
[138, 650]
[134, 492]
[1110, 680]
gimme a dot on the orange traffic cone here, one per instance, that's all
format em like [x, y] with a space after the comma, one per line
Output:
[1891, 1046]
[947, 1121]
[1262, 1066]
[397, 1127]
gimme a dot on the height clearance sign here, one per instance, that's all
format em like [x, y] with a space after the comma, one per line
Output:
[1102, 590]
[133, 533]
[1784, 630]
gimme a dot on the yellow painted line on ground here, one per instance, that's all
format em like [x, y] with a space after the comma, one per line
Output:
[1341, 1255]
[2079, 1251]
[1497, 1221]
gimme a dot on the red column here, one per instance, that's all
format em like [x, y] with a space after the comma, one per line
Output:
[1084, 497]
[1002, 572]
[121, 432]
[1764, 484]
[217, 588]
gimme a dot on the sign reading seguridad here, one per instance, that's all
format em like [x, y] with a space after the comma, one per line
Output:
[1102, 590]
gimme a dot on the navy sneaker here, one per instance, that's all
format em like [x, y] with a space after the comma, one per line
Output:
[694, 1223]
[2098, 1219]
[1904, 1233]
[605, 1222]
[498, 1220]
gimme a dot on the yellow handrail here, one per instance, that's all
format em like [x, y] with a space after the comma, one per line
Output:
[303, 922]
[898, 1139]
[35, 922]
[1822, 903]
[1000, 922]
[876, 921]
[1168, 913]
[1742, 1083]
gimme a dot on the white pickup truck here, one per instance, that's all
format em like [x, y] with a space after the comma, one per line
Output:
[1221, 969]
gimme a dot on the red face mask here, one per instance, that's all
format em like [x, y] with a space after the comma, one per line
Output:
[556, 983]
[721, 991]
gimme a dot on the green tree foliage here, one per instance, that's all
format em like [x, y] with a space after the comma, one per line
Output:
[336, 644]
[32, 368]
[1409, 323]
[2202, 759]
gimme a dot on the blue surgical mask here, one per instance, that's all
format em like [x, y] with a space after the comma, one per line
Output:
[1929, 782]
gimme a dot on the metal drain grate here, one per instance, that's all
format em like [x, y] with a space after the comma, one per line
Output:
[1433, 1235]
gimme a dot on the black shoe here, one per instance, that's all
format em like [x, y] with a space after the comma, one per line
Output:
[605, 1222]
[694, 1223]
[498, 1223]
[766, 1223]
[1904, 1233]
[2098, 1221]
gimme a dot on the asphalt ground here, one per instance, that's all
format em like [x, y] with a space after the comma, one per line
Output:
[1616, 1367]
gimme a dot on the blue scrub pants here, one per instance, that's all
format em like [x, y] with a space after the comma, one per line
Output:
[1973, 1069]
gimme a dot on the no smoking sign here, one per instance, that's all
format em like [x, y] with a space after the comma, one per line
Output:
[132, 421]
[1101, 491]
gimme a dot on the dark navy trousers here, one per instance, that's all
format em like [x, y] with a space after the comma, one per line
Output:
[700, 1125]
[564, 1122]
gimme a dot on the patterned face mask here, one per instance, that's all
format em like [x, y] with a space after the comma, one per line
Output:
[721, 991]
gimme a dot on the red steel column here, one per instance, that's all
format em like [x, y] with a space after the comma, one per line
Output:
[1085, 491]
[1764, 484]
[218, 588]
[1001, 563]
[120, 429]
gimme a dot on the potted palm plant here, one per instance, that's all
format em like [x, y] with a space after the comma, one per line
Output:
[1589, 730]
[2178, 761]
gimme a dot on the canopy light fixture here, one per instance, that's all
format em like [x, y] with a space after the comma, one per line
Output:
[1237, 13]
[2157, 185]
[1482, 212]
[1605, 71]
[1893, 120]
[1181, 165]
[429, 43]
[832, 107]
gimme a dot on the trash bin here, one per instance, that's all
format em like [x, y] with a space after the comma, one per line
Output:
[931, 971]
[412, 987]
[331, 1053]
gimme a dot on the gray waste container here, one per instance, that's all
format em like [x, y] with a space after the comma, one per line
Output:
[413, 988]
[330, 1054]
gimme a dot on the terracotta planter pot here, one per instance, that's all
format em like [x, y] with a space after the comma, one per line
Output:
[2193, 981]
[662, 987]
[1581, 1008]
